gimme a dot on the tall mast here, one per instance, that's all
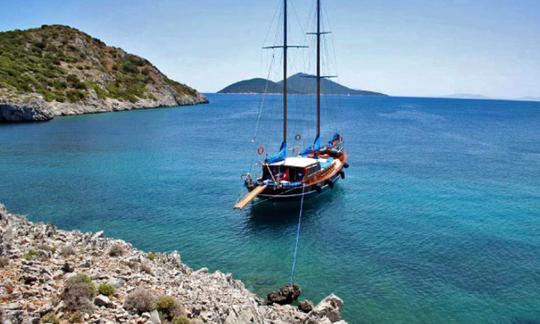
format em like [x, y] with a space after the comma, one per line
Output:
[285, 71]
[318, 68]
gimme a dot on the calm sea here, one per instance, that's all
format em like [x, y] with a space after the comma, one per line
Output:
[438, 219]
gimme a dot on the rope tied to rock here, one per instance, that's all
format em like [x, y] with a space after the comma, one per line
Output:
[295, 253]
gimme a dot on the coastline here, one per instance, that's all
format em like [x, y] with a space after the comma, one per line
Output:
[38, 262]
[40, 110]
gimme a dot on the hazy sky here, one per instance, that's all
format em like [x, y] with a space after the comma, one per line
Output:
[411, 48]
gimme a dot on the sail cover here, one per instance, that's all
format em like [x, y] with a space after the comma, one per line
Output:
[315, 147]
[278, 157]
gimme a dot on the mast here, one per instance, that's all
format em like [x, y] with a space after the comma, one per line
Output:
[285, 71]
[318, 68]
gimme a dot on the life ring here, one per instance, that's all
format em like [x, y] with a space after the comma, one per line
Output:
[260, 150]
[298, 137]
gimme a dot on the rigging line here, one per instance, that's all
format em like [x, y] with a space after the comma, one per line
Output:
[295, 254]
[274, 19]
[259, 114]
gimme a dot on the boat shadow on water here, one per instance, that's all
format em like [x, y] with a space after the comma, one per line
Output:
[285, 213]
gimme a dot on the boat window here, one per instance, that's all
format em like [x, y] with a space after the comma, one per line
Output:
[313, 169]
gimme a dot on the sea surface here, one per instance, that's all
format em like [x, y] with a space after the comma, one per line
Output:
[437, 221]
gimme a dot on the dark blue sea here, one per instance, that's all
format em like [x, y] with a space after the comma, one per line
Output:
[437, 221]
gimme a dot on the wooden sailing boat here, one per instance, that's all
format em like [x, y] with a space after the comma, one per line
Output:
[313, 170]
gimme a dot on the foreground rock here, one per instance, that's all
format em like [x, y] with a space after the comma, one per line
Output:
[51, 275]
[58, 70]
[286, 295]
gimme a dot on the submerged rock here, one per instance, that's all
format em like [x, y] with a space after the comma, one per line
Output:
[305, 306]
[286, 295]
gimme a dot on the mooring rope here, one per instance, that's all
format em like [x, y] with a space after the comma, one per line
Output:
[295, 253]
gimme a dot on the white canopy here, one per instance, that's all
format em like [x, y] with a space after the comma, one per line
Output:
[297, 162]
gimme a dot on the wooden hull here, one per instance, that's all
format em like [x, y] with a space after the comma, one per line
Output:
[312, 186]
[297, 193]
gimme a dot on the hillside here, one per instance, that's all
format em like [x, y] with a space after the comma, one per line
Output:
[58, 70]
[299, 83]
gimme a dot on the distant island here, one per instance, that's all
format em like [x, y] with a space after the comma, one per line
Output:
[299, 83]
[466, 96]
[58, 70]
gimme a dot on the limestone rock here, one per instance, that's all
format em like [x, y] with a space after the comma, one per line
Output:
[101, 300]
[329, 307]
[35, 287]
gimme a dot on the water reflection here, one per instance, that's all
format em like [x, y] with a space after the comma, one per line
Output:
[284, 214]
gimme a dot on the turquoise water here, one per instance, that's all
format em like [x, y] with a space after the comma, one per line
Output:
[437, 221]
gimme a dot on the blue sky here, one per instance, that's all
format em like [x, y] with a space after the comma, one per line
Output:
[410, 48]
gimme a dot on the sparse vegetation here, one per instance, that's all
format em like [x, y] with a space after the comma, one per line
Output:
[106, 289]
[180, 320]
[30, 255]
[76, 317]
[151, 256]
[140, 300]
[50, 61]
[78, 293]
[169, 307]
[4, 262]
[116, 250]
[50, 318]
[67, 250]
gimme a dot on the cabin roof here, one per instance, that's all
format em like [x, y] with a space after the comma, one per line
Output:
[297, 162]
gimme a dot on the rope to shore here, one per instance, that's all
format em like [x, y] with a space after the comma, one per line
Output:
[295, 253]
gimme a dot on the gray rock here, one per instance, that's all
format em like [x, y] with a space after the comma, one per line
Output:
[14, 112]
[329, 307]
[102, 301]
[154, 317]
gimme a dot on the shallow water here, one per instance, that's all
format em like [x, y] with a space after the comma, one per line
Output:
[436, 221]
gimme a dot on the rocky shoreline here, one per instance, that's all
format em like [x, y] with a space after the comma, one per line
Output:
[49, 275]
[37, 109]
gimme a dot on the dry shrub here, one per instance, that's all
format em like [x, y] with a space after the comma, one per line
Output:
[78, 293]
[3, 262]
[67, 250]
[117, 250]
[140, 300]
[169, 307]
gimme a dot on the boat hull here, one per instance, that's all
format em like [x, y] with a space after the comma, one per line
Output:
[275, 193]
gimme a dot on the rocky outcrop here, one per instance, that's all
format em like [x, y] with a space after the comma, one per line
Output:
[51, 275]
[13, 112]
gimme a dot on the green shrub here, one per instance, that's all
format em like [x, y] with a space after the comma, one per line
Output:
[129, 67]
[50, 318]
[151, 256]
[77, 317]
[180, 320]
[169, 307]
[30, 255]
[106, 289]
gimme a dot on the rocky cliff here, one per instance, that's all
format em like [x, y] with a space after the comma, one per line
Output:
[54, 276]
[58, 70]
